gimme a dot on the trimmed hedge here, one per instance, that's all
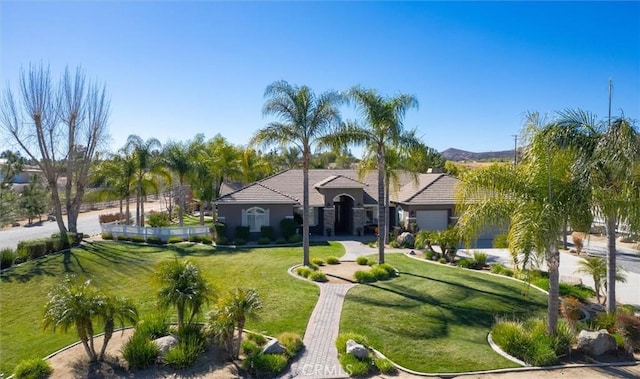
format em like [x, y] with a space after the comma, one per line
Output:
[242, 232]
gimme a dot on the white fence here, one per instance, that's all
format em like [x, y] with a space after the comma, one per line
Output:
[164, 233]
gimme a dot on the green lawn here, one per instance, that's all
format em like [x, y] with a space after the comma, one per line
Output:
[435, 318]
[127, 270]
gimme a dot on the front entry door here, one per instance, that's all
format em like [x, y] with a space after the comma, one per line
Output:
[344, 215]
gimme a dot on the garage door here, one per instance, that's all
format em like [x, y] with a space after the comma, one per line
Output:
[432, 220]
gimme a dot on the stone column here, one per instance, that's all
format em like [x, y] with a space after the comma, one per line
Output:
[358, 221]
[329, 220]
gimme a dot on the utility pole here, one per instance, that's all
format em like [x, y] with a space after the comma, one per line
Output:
[515, 149]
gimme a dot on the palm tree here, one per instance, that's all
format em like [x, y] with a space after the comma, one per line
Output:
[183, 286]
[115, 309]
[597, 268]
[74, 305]
[609, 152]
[178, 158]
[238, 306]
[144, 153]
[306, 118]
[381, 127]
[117, 175]
[531, 198]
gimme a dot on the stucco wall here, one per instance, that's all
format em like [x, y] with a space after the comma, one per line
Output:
[232, 214]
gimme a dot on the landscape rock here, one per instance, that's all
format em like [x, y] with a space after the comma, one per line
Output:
[572, 280]
[596, 343]
[273, 347]
[356, 349]
[165, 343]
[405, 239]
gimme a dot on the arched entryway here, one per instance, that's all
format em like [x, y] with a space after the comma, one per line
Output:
[344, 214]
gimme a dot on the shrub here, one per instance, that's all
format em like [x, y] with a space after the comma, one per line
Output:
[379, 273]
[288, 227]
[154, 326]
[296, 238]
[431, 255]
[355, 366]
[175, 239]
[304, 271]
[7, 256]
[266, 364]
[394, 244]
[242, 232]
[123, 238]
[139, 351]
[292, 342]
[497, 268]
[603, 321]
[442, 260]
[219, 230]
[385, 366]
[341, 341]
[564, 338]
[259, 339]
[207, 240]
[240, 242]
[365, 276]
[264, 241]
[500, 241]
[137, 239]
[111, 217]
[32, 249]
[628, 326]
[281, 241]
[186, 352]
[333, 260]
[389, 269]
[107, 236]
[480, 258]
[266, 232]
[250, 348]
[570, 307]
[466, 263]
[317, 261]
[159, 219]
[222, 240]
[423, 239]
[154, 240]
[35, 368]
[529, 341]
[313, 266]
[318, 276]
[362, 260]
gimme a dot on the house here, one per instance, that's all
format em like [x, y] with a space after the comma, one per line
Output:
[340, 202]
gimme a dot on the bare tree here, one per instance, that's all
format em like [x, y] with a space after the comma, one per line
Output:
[60, 127]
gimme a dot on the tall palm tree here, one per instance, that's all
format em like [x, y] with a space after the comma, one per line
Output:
[178, 159]
[117, 175]
[609, 152]
[145, 153]
[183, 286]
[532, 199]
[381, 126]
[305, 119]
[238, 306]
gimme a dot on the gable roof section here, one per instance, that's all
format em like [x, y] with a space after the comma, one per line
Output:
[256, 193]
[432, 189]
[339, 181]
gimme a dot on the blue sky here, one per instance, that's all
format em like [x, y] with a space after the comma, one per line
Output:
[175, 69]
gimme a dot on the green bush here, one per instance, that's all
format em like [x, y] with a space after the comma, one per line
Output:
[186, 352]
[7, 256]
[259, 339]
[341, 341]
[564, 338]
[423, 237]
[266, 232]
[500, 241]
[139, 351]
[431, 255]
[442, 260]
[266, 364]
[379, 273]
[137, 239]
[304, 271]
[222, 240]
[394, 244]
[35, 368]
[288, 227]
[385, 366]
[250, 348]
[159, 219]
[153, 326]
[628, 326]
[107, 236]
[529, 341]
[154, 240]
[281, 241]
[175, 239]
[32, 249]
[207, 240]
[480, 258]
[313, 266]
[264, 241]
[497, 268]
[355, 366]
[123, 238]
[219, 230]
[362, 260]
[318, 276]
[389, 269]
[292, 342]
[296, 238]
[603, 321]
[466, 263]
[365, 276]
[333, 260]
[240, 242]
[242, 232]
[317, 261]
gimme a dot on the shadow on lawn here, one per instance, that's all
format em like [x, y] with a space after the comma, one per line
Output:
[23, 274]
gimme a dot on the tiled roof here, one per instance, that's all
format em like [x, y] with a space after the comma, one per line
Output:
[286, 186]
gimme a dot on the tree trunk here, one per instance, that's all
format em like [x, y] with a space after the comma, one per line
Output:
[202, 213]
[564, 234]
[57, 208]
[305, 206]
[85, 342]
[611, 264]
[142, 200]
[181, 199]
[382, 225]
[180, 308]
[138, 200]
[90, 337]
[553, 265]
[108, 332]
[240, 330]
[387, 231]
[128, 212]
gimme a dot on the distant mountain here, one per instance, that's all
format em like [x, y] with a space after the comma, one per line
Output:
[453, 154]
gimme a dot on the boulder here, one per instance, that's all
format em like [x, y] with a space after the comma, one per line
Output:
[165, 343]
[273, 347]
[405, 239]
[596, 343]
[356, 349]
[573, 280]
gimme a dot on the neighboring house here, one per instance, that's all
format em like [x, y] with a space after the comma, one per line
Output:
[339, 202]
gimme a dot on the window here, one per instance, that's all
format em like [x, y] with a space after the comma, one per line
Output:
[371, 215]
[255, 218]
[313, 215]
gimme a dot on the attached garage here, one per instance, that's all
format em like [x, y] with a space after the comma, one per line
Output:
[432, 219]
